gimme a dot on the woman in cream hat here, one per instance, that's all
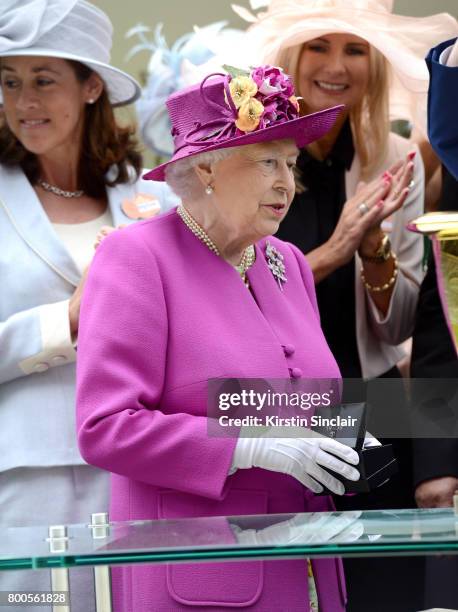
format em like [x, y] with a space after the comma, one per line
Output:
[367, 267]
[66, 170]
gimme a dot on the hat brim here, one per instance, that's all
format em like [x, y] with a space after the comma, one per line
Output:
[403, 41]
[303, 131]
[122, 89]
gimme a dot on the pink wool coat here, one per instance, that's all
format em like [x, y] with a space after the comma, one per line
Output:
[161, 314]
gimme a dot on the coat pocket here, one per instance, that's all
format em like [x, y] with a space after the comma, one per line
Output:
[215, 584]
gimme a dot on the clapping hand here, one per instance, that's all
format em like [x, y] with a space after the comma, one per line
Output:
[363, 214]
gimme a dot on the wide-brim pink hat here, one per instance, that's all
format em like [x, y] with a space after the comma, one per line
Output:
[404, 41]
[207, 116]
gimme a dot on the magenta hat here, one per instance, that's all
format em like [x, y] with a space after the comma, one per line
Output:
[239, 108]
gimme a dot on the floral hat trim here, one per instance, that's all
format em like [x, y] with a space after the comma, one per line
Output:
[254, 100]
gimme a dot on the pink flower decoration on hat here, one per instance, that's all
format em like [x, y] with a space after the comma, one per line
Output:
[271, 79]
[261, 97]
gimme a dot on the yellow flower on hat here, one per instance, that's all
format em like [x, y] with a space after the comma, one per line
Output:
[250, 114]
[242, 88]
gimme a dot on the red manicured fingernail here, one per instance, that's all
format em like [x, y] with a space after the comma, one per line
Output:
[387, 175]
[411, 155]
[387, 180]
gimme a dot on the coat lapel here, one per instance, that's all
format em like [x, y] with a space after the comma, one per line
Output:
[265, 288]
[24, 209]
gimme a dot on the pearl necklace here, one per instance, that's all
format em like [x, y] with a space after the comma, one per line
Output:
[58, 191]
[249, 254]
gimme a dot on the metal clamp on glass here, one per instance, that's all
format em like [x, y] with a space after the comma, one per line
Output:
[58, 544]
[100, 527]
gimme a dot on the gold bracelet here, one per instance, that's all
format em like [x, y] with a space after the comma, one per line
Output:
[388, 284]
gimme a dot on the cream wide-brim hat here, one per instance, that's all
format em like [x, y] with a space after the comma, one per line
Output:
[403, 41]
[68, 29]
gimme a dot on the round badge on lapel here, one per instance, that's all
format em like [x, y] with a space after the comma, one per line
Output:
[143, 206]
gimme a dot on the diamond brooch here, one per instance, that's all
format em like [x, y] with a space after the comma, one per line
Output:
[275, 263]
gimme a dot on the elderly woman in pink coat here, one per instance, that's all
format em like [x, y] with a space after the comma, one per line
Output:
[205, 292]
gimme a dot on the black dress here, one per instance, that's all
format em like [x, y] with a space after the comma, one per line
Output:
[372, 584]
[310, 222]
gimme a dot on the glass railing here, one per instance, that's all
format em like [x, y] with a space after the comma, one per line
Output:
[372, 533]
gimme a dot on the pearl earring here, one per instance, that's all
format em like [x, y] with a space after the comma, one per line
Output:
[91, 101]
[208, 189]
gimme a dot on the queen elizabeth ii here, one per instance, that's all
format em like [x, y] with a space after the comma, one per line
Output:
[205, 292]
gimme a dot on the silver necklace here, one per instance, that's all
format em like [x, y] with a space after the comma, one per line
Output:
[60, 192]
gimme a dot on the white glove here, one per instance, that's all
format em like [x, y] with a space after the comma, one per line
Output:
[313, 528]
[301, 458]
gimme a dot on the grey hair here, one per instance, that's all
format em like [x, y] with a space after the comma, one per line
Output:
[181, 177]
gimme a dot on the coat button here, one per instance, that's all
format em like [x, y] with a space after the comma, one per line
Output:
[296, 372]
[288, 349]
[41, 367]
[58, 360]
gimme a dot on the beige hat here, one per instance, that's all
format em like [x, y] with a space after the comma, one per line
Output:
[404, 41]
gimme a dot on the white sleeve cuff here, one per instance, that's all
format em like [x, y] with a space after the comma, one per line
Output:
[376, 315]
[57, 346]
[449, 56]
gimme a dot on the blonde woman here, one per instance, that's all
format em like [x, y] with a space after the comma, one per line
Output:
[366, 266]
[361, 55]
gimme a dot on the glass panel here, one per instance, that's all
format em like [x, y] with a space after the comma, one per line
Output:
[318, 534]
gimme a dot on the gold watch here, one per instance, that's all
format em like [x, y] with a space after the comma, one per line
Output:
[382, 254]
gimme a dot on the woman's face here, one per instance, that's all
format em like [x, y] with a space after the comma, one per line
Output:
[333, 69]
[44, 103]
[254, 187]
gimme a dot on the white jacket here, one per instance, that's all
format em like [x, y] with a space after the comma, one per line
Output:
[37, 359]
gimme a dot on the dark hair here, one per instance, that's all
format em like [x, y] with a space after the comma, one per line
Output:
[104, 144]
